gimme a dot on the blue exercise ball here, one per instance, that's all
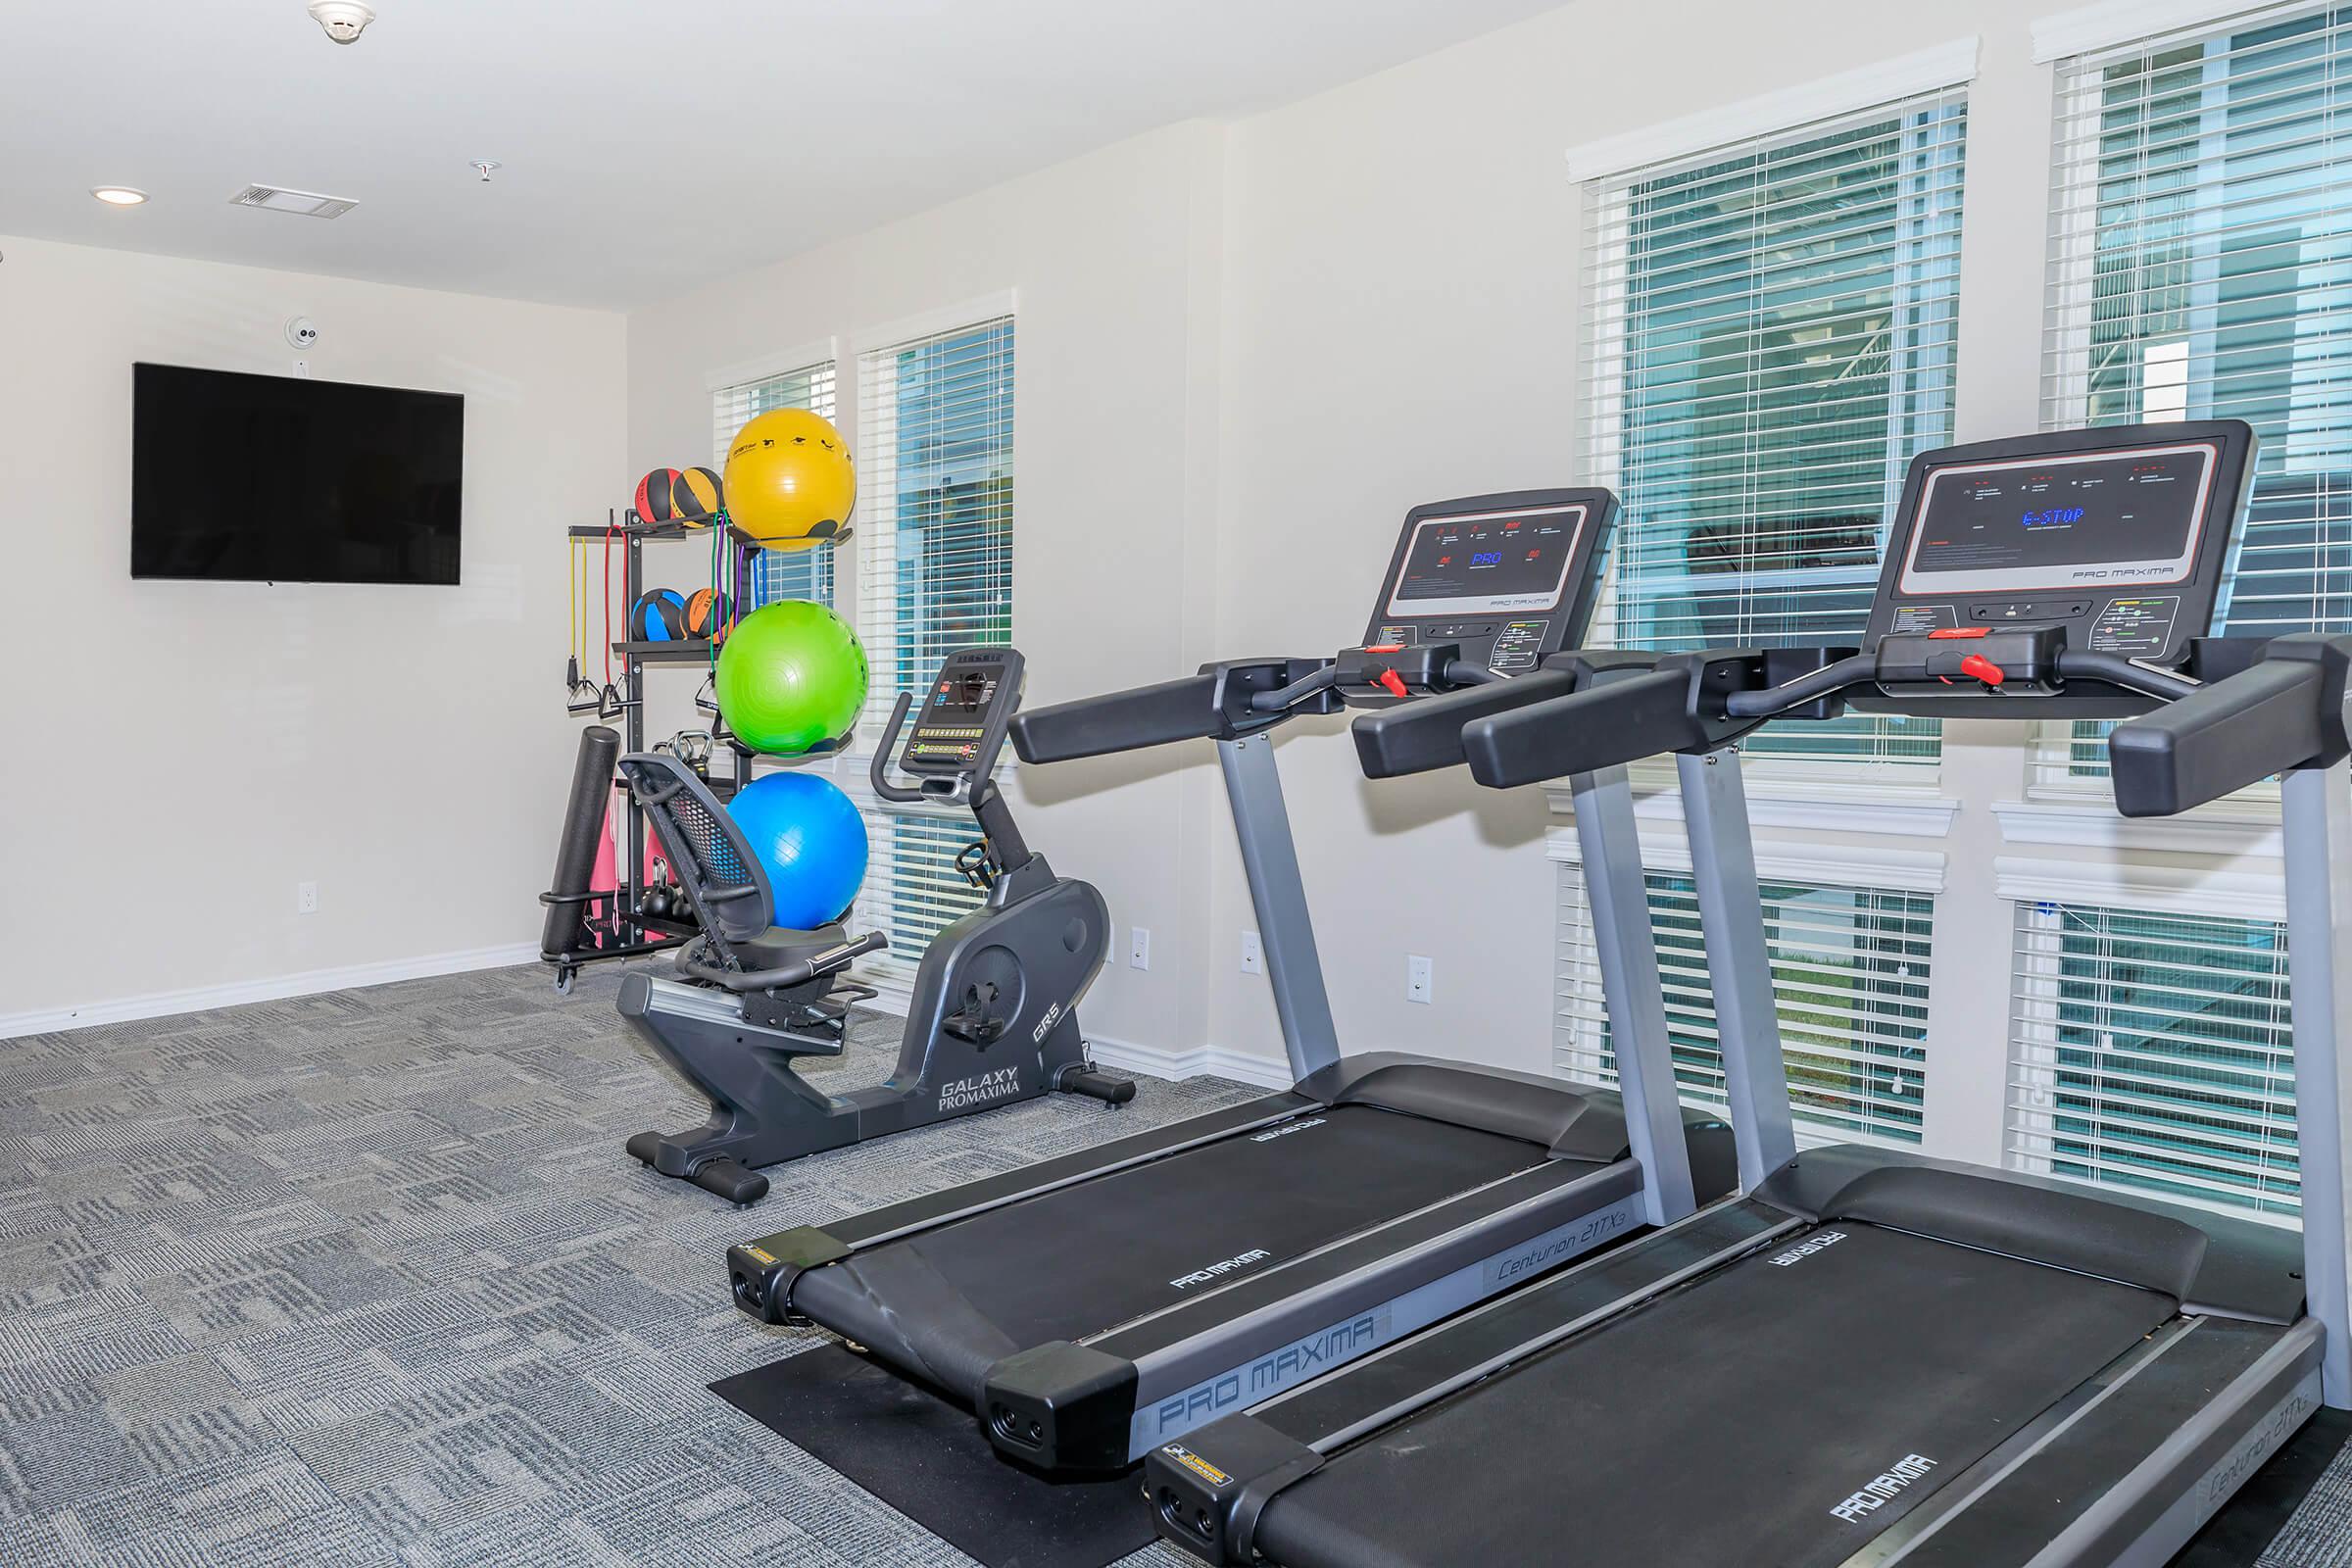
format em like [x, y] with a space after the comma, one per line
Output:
[810, 839]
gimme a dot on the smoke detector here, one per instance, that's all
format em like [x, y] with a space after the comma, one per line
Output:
[343, 19]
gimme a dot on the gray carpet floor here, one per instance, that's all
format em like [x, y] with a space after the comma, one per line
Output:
[366, 1278]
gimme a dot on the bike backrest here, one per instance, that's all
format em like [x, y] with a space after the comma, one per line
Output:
[708, 853]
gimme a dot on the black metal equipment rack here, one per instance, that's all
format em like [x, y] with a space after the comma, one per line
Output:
[638, 933]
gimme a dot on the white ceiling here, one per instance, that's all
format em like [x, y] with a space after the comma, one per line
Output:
[649, 146]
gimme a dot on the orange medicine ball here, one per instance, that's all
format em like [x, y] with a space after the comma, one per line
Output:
[690, 496]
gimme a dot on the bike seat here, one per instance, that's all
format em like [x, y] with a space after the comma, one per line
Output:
[780, 944]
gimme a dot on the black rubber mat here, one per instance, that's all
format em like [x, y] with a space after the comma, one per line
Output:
[948, 1302]
[927, 1459]
[1777, 1416]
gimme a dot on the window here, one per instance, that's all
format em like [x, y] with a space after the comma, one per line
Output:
[778, 573]
[935, 574]
[1849, 970]
[935, 449]
[2198, 261]
[1773, 332]
[2153, 1050]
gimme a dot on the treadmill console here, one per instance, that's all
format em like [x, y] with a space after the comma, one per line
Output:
[1499, 582]
[959, 725]
[2005, 553]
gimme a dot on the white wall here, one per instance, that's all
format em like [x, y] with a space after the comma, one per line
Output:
[182, 753]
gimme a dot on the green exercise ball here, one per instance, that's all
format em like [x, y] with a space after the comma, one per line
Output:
[792, 674]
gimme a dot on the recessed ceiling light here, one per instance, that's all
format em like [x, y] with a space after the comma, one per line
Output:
[119, 195]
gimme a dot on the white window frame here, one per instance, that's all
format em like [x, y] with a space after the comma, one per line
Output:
[812, 355]
[2028, 882]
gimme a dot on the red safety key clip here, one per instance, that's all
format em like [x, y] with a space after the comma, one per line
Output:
[1390, 681]
[1984, 669]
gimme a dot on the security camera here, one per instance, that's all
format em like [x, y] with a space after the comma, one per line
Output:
[300, 333]
[343, 19]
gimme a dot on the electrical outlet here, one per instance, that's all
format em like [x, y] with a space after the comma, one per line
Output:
[1419, 981]
[1139, 947]
[305, 897]
[1252, 960]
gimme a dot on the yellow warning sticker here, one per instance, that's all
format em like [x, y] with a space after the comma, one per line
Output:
[1196, 1464]
[757, 1253]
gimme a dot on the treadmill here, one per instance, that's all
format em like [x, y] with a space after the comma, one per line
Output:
[1090, 1306]
[1876, 1357]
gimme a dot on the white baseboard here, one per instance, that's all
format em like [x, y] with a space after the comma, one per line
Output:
[1203, 1062]
[200, 999]
[1153, 1061]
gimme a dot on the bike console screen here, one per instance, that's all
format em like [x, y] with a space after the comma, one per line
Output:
[2083, 520]
[960, 718]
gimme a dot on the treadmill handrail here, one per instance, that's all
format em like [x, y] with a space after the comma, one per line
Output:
[1218, 703]
[1641, 715]
[1701, 701]
[1427, 733]
[1857, 672]
[2284, 713]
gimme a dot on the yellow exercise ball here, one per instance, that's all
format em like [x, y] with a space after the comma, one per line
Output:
[789, 481]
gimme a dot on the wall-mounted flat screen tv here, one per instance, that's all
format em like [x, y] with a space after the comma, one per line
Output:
[272, 478]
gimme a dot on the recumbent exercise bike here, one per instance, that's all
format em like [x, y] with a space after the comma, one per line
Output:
[993, 1018]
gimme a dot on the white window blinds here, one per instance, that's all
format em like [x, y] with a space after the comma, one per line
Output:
[778, 573]
[2153, 1050]
[1772, 331]
[2200, 239]
[935, 516]
[1849, 970]
[935, 572]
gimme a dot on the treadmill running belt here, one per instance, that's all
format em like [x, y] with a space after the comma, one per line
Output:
[1826, 1387]
[947, 1303]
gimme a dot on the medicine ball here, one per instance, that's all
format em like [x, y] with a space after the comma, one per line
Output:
[691, 496]
[707, 611]
[659, 616]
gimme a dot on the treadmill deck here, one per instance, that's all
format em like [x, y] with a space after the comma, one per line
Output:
[1081, 1259]
[1836, 1380]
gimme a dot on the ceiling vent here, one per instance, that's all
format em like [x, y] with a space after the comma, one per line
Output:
[302, 203]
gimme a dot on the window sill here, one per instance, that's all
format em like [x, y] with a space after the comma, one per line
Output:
[1811, 865]
[2140, 886]
[2242, 825]
[1897, 809]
